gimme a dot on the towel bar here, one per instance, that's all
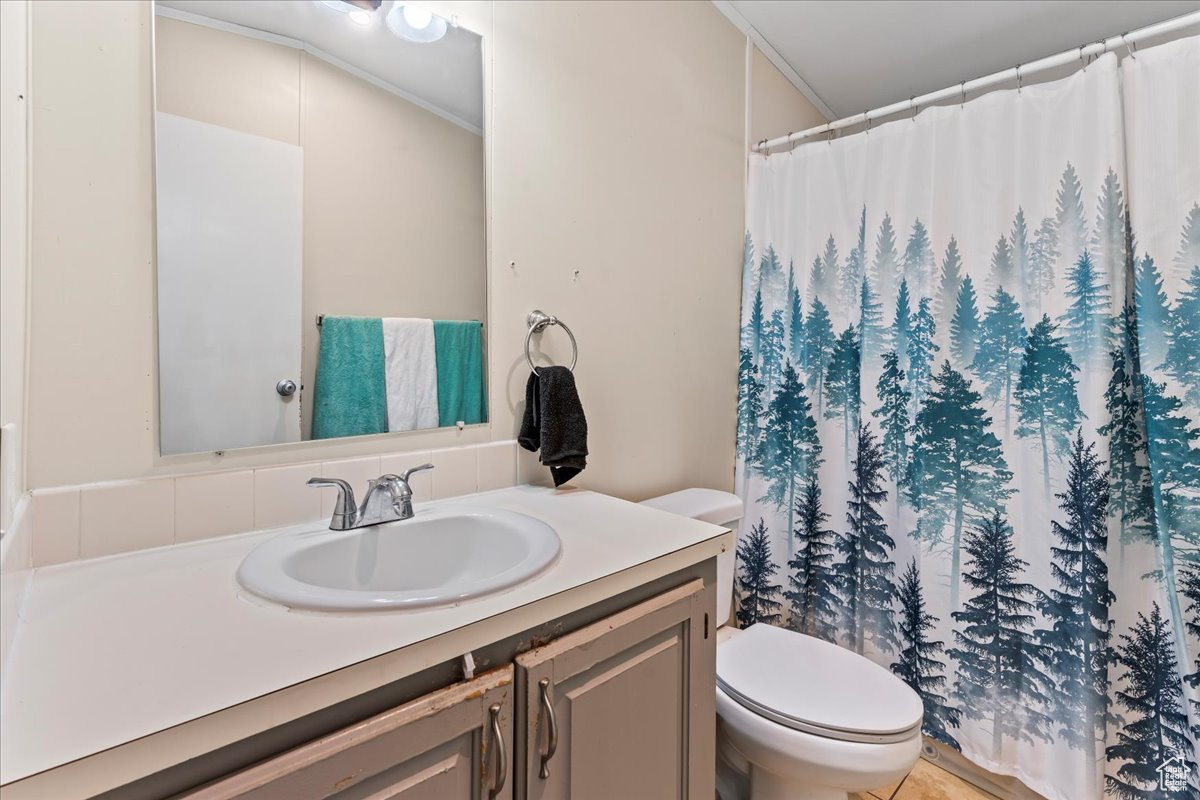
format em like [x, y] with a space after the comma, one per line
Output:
[321, 318]
[538, 321]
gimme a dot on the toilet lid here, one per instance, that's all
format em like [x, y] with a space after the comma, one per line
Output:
[811, 685]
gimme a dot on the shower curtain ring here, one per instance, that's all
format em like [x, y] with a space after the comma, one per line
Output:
[793, 142]
[962, 94]
[1129, 48]
[867, 119]
[1081, 58]
[1018, 78]
[912, 108]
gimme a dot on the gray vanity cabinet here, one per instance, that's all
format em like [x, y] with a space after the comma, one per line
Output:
[623, 708]
[453, 744]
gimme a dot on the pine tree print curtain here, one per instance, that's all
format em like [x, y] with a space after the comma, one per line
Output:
[969, 417]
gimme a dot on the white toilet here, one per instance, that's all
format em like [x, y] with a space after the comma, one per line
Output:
[798, 718]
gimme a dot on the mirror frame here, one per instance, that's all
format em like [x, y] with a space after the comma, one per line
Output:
[348, 446]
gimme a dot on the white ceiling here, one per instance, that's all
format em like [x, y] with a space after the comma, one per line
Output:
[857, 55]
[445, 76]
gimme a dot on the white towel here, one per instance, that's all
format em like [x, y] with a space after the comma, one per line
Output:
[410, 374]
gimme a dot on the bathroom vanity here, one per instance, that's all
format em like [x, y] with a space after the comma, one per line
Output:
[170, 680]
[616, 692]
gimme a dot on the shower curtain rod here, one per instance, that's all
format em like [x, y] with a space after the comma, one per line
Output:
[1018, 72]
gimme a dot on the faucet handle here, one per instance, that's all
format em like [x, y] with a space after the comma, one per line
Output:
[401, 492]
[345, 505]
[408, 472]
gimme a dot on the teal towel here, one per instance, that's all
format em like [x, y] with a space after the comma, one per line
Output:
[458, 347]
[350, 397]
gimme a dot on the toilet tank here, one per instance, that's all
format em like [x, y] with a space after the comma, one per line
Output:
[719, 508]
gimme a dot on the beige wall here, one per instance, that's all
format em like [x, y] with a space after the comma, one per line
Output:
[91, 364]
[394, 217]
[776, 106]
[14, 206]
[617, 167]
[219, 77]
[616, 162]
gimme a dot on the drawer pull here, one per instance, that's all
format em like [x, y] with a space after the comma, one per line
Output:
[552, 726]
[501, 756]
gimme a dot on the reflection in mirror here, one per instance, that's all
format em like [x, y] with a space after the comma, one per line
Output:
[321, 224]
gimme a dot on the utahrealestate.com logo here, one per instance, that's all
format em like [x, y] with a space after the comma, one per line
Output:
[1173, 775]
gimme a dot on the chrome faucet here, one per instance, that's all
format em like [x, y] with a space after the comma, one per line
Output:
[389, 499]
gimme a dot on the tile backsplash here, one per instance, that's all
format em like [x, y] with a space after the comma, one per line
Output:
[130, 515]
[75, 522]
[56, 515]
[281, 497]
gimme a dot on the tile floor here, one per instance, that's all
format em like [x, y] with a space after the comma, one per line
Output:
[927, 782]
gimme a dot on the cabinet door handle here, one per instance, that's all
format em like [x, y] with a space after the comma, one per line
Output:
[551, 724]
[501, 756]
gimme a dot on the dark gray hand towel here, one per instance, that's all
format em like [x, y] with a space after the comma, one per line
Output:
[554, 423]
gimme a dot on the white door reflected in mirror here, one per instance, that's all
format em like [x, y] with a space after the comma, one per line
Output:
[230, 239]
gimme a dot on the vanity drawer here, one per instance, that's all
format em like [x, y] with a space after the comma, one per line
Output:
[453, 743]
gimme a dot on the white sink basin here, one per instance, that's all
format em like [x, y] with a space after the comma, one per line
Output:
[442, 556]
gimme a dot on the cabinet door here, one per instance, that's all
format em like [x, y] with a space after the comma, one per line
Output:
[624, 708]
[454, 743]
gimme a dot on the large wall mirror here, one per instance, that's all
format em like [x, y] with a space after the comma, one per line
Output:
[321, 234]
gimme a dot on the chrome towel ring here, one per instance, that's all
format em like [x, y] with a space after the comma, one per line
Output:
[538, 322]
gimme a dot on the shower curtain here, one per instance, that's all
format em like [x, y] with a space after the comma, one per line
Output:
[969, 417]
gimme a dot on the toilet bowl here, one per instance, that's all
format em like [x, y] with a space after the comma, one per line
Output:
[798, 718]
[808, 719]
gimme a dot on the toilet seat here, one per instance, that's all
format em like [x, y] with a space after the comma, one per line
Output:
[815, 687]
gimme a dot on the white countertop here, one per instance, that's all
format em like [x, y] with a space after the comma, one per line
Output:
[115, 649]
